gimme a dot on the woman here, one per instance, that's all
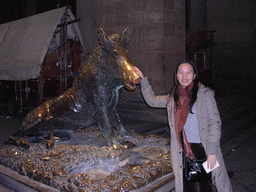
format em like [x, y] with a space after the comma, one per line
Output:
[192, 110]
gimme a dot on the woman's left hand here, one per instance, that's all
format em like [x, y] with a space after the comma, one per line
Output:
[211, 161]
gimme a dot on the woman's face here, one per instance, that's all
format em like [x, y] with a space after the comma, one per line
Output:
[185, 74]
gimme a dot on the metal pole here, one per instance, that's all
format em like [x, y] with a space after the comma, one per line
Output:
[26, 89]
[65, 49]
[20, 85]
[16, 92]
[61, 54]
[63, 64]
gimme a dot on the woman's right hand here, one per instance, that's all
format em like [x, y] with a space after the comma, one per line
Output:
[136, 69]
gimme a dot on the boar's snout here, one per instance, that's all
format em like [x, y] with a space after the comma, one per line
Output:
[130, 78]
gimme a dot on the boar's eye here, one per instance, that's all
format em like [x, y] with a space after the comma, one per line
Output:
[114, 53]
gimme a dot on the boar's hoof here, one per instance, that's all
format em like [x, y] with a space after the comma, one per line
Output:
[127, 145]
[61, 136]
[11, 141]
[17, 142]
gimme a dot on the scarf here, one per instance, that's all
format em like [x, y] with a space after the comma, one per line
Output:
[180, 116]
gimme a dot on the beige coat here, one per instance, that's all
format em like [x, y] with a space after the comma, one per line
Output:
[209, 124]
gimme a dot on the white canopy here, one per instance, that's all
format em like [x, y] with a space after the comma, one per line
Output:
[25, 42]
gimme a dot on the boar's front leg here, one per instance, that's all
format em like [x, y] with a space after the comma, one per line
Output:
[117, 123]
[105, 127]
[114, 118]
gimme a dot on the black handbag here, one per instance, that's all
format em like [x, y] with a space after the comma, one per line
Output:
[193, 170]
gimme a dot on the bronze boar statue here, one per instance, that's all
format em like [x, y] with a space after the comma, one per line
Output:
[93, 96]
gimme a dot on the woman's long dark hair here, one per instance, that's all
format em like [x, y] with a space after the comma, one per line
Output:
[193, 95]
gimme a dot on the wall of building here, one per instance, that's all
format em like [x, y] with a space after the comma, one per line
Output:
[234, 22]
[197, 15]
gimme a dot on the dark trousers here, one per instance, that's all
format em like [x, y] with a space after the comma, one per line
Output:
[198, 150]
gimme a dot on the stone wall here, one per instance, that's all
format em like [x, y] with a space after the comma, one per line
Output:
[158, 34]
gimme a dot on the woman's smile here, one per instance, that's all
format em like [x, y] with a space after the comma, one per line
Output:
[185, 74]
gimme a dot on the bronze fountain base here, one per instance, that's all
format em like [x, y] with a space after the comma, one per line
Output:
[86, 163]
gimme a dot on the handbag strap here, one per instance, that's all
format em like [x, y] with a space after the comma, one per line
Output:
[182, 142]
[183, 152]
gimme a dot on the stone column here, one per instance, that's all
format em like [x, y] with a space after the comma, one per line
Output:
[85, 12]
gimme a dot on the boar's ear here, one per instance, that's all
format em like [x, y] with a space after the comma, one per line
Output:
[126, 36]
[102, 36]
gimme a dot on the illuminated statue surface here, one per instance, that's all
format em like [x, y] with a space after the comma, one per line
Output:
[93, 96]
